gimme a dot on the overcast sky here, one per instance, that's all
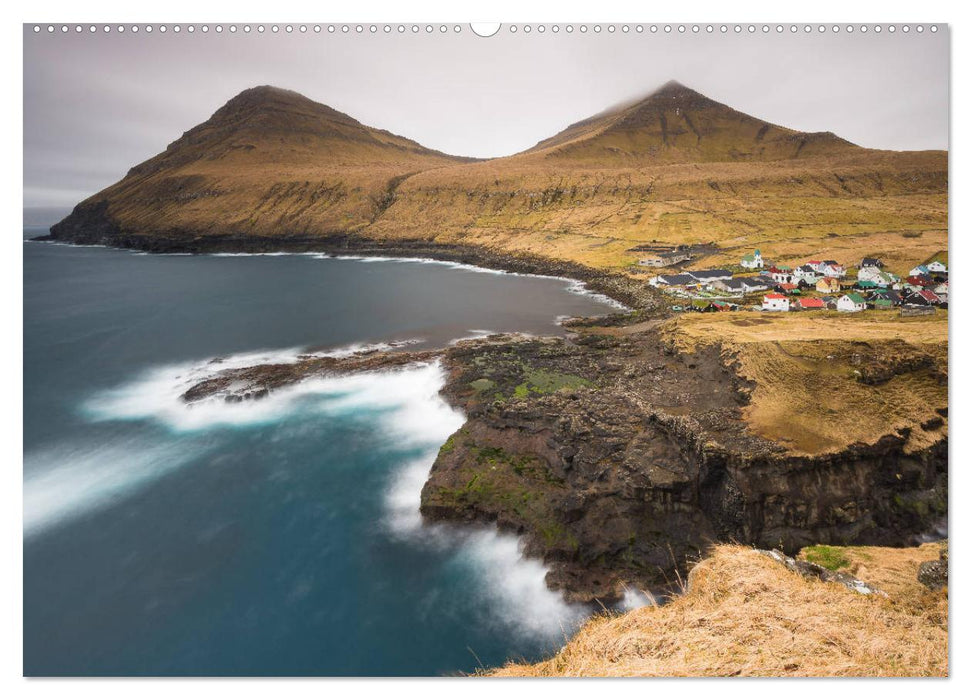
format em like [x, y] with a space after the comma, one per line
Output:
[96, 104]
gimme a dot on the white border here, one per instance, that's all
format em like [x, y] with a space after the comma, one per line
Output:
[602, 11]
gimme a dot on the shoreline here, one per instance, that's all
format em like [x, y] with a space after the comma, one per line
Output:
[627, 294]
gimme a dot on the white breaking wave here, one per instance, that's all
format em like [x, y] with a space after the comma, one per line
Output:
[155, 395]
[510, 588]
[66, 482]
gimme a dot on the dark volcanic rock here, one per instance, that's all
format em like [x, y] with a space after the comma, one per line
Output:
[249, 383]
[619, 460]
[933, 574]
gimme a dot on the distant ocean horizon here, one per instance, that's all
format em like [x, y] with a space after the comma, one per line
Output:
[275, 537]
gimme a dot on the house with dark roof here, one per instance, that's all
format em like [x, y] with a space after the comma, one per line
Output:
[871, 262]
[886, 295]
[734, 286]
[805, 274]
[709, 276]
[924, 297]
[679, 280]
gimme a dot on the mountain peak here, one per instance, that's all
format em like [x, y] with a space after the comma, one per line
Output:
[677, 124]
[671, 86]
[268, 98]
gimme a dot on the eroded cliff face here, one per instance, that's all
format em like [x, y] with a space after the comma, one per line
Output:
[620, 459]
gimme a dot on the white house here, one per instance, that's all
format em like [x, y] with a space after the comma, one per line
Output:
[936, 266]
[831, 268]
[755, 284]
[869, 274]
[775, 302]
[710, 276]
[920, 270]
[753, 261]
[805, 273]
[877, 276]
[851, 302]
[782, 275]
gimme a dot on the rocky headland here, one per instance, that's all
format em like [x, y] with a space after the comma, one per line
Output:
[620, 458]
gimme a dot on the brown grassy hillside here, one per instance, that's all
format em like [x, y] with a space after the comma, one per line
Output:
[824, 380]
[268, 162]
[746, 615]
[674, 167]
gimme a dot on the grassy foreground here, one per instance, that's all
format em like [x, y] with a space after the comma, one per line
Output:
[745, 615]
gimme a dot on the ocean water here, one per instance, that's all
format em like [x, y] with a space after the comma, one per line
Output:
[278, 537]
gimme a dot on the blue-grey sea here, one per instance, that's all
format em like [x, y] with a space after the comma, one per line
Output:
[272, 537]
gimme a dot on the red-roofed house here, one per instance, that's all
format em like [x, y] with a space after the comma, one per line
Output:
[918, 282]
[775, 302]
[811, 303]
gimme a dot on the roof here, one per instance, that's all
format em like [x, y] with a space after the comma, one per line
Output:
[806, 268]
[775, 295]
[812, 303]
[829, 280]
[929, 295]
[855, 298]
[734, 284]
[871, 262]
[788, 285]
[677, 279]
[708, 274]
[831, 262]
[814, 262]
[866, 284]
[919, 281]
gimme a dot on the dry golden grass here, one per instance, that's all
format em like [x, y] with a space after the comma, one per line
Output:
[842, 206]
[739, 327]
[746, 615]
[805, 367]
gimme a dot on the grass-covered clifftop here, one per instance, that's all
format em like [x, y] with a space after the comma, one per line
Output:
[745, 615]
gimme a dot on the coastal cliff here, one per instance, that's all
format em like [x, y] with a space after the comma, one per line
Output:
[620, 457]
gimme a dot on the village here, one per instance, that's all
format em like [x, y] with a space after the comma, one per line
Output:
[757, 284]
